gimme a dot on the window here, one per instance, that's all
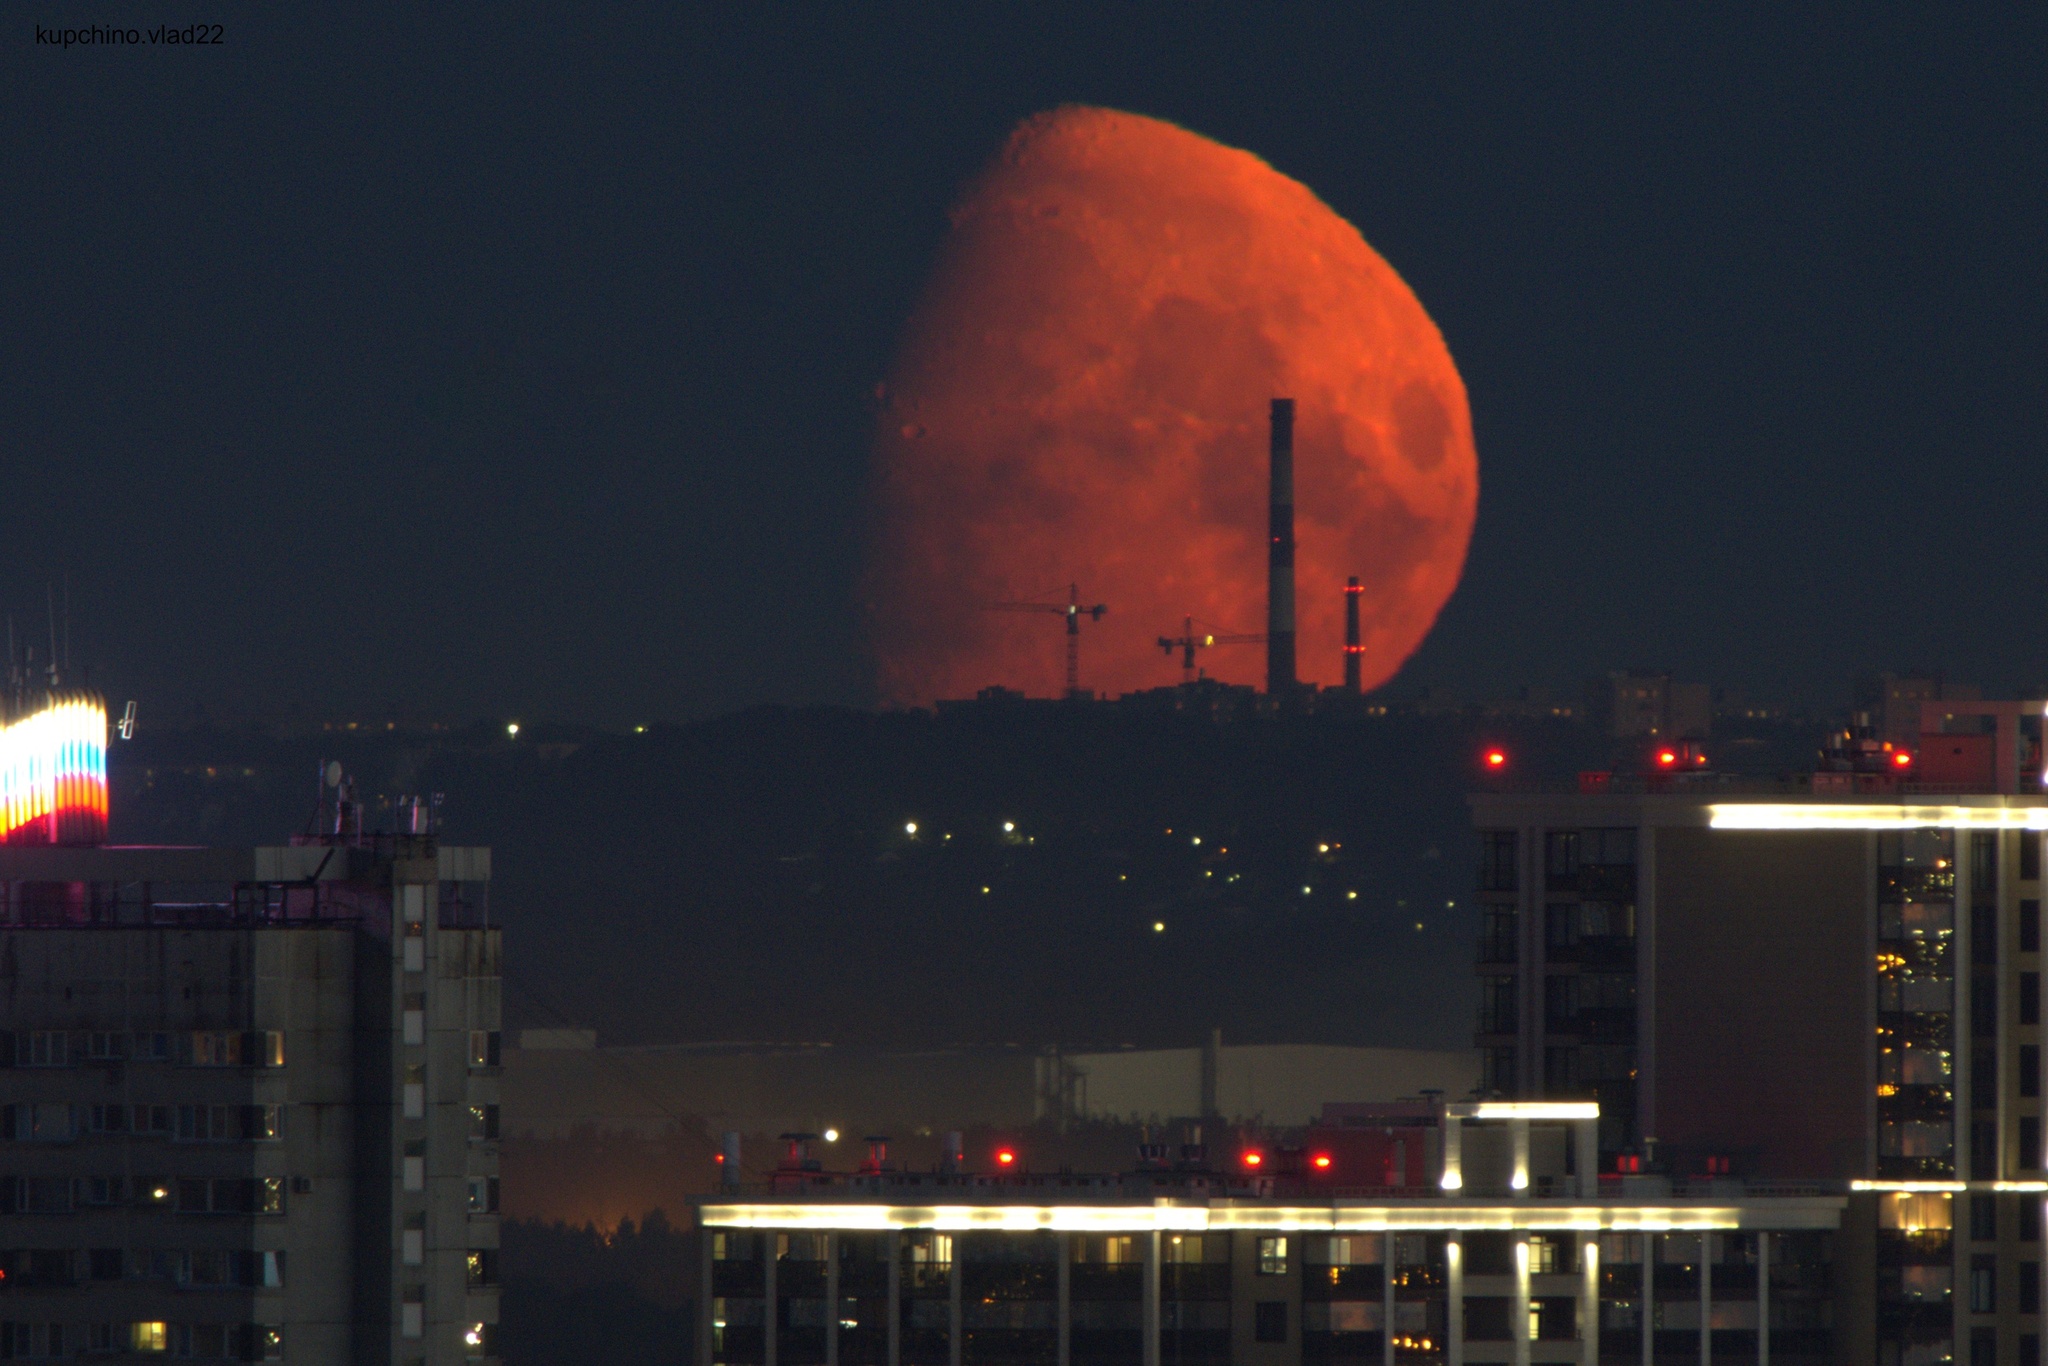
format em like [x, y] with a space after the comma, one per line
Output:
[101, 1046]
[2030, 998]
[480, 1340]
[2030, 1069]
[1544, 1258]
[483, 1123]
[1983, 1285]
[2030, 1143]
[1269, 1321]
[483, 1268]
[1558, 1069]
[1500, 935]
[1984, 1218]
[103, 1190]
[1984, 861]
[1353, 1249]
[216, 1048]
[483, 1048]
[2030, 926]
[483, 1195]
[1561, 858]
[1984, 1346]
[153, 1047]
[231, 1195]
[1984, 1008]
[2030, 1287]
[1272, 1256]
[44, 1048]
[1608, 848]
[1497, 861]
[1498, 1070]
[149, 1337]
[1984, 935]
[2030, 858]
[41, 1123]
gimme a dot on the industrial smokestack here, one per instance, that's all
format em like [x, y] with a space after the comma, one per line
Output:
[1352, 649]
[1280, 556]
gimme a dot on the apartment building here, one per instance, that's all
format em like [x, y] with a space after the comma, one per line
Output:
[248, 1097]
[1834, 977]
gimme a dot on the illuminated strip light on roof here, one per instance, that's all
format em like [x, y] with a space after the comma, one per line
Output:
[1807, 1213]
[1948, 1187]
[53, 773]
[1524, 1109]
[1845, 816]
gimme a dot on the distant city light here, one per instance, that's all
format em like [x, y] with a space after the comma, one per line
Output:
[1159, 927]
[831, 1135]
[1009, 827]
[1198, 839]
[639, 730]
[1305, 891]
[910, 827]
[1322, 848]
[1351, 896]
[984, 891]
[1418, 925]
[511, 728]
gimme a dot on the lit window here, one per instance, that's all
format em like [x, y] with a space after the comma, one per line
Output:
[1272, 1256]
[148, 1337]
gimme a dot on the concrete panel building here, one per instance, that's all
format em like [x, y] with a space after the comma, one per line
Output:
[248, 1102]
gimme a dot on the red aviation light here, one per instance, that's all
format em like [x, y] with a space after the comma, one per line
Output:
[1254, 1159]
[1666, 758]
[1902, 759]
[1496, 758]
[1321, 1162]
[1006, 1157]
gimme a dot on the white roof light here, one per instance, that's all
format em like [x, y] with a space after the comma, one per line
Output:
[1893, 816]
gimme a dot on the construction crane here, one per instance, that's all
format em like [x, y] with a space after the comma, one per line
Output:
[1187, 642]
[1073, 611]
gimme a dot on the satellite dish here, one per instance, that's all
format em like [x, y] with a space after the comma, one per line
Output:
[334, 773]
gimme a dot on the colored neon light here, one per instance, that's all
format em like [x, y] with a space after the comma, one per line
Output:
[53, 773]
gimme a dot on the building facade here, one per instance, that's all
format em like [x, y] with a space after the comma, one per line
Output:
[1493, 1252]
[248, 1102]
[1835, 978]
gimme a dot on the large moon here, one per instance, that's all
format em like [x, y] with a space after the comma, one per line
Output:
[1081, 397]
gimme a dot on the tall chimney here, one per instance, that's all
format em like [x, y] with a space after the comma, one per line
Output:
[1280, 556]
[1352, 649]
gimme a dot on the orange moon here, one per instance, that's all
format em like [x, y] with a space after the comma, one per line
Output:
[1081, 397]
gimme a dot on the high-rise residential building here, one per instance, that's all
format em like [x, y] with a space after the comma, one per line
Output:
[248, 1097]
[1834, 977]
